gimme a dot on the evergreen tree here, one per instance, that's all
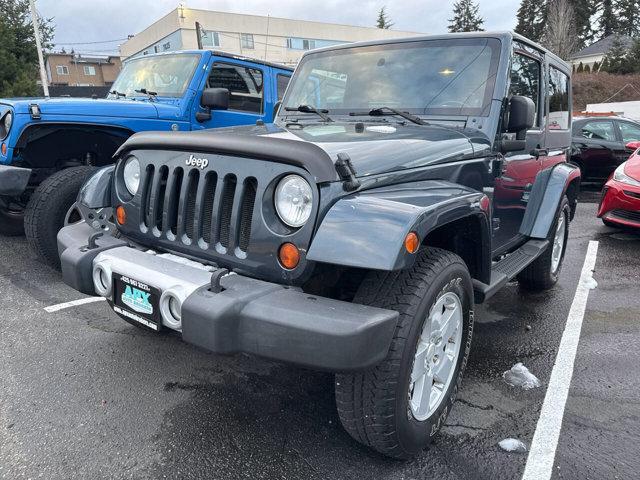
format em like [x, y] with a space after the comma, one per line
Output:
[383, 20]
[18, 53]
[580, 68]
[529, 17]
[634, 56]
[604, 65]
[587, 69]
[465, 17]
[608, 24]
[583, 12]
[596, 67]
[627, 14]
[617, 58]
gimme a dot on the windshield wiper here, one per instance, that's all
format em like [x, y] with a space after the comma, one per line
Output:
[117, 93]
[147, 92]
[381, 111]
[322, 113]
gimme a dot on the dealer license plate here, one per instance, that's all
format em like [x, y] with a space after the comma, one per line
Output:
[136, 301]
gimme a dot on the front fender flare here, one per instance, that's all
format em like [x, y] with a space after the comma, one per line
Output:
[367, 229]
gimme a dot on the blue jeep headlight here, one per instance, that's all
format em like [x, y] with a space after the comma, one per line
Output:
[7, 121]
[294, 200]
[131, 174]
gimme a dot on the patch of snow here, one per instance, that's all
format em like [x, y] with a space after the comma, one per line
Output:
[520, 376]
[590, 282]
[512, 445]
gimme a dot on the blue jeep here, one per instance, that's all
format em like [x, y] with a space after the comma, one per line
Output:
[49, 146]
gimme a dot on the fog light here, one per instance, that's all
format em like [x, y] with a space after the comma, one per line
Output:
[102, 280]
[289, 256]
[171, 308]
[121, 215]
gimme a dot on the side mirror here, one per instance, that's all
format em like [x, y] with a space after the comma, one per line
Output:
[215, 98]
[522, 116]
[633, 145]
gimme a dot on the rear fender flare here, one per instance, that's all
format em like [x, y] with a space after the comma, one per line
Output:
[368, 229]
[550, 186]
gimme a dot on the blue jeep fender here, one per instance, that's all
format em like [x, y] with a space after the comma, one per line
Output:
[550, 186]
[368, 229]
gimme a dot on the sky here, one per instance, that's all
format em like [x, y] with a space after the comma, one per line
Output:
[99, 20]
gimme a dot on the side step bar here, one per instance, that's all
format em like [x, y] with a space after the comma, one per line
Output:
[507, 268]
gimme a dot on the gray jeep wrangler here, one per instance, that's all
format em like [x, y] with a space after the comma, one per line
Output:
[402, 182]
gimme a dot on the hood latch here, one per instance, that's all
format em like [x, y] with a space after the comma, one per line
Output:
[346, 172]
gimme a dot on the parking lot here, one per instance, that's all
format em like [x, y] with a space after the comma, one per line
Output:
[86, 395]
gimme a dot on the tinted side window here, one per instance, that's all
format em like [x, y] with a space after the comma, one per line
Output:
[558, 100]
[630, 132]
[283, 81]
[525, 80]
[244, 84]
[602, 130]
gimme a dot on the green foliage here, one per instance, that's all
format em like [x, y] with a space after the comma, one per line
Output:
[627, 17]
[530, 19]
[596, 67]
[383, 19]
[633, 56]
[608, 24]
[580, 68]
[587, 69]
[617, 58]
[18, 53]
[465, 17]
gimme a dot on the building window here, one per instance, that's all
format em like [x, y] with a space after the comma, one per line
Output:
[62, 70]
[210, 39]
[246, 40]
[244, 84]
[309, 43]
[166, 46]
[89, 70]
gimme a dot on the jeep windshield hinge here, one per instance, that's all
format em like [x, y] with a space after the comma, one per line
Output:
[346, 172]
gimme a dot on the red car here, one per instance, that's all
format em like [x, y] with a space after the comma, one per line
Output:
[620, 201]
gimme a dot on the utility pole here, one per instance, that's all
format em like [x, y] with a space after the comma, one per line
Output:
[36, 32]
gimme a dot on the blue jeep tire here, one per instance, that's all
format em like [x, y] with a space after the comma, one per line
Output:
[47, 210]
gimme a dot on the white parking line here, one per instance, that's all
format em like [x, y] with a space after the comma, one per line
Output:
[545, 440]
[74, 303]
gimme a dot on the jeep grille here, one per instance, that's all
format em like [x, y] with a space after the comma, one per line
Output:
[192, 206]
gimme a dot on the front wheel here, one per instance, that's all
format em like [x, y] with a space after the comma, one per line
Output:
[397, 407]
[543, 272]
[47, 210]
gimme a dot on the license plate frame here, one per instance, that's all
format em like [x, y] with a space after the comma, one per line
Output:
[136, 301]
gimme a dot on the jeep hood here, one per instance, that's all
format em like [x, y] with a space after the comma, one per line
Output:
[78, 107]
[376, 148]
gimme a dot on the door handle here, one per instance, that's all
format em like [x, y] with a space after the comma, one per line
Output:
[539, 152]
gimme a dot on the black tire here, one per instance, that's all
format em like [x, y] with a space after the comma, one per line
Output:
[47, 209]
[11, 222]
[374, 405]
[610, 224]
[539, 275]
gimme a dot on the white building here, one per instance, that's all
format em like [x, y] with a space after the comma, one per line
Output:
[273, 39]
[596, 52]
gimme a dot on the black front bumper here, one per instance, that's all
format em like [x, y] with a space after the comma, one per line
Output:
[248, 315]
[13, 180]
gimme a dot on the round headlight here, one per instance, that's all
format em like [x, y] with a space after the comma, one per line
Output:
[7, 121]
[294, 200]
[131, 173]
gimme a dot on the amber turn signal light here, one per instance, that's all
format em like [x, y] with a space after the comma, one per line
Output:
[289, 256]
[4, 149]
[411, 242]
[121, 215]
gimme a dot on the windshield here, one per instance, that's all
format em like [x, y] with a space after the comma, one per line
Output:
[165, 75]
[429, 77]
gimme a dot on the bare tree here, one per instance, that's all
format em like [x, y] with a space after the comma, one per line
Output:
[560, 34]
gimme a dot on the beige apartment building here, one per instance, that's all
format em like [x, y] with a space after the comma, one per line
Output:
[273, 39]
[75, 70]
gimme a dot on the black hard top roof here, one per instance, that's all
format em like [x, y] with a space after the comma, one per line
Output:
[501, 35]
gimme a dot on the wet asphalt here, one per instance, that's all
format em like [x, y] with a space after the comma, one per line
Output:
[85, 395]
